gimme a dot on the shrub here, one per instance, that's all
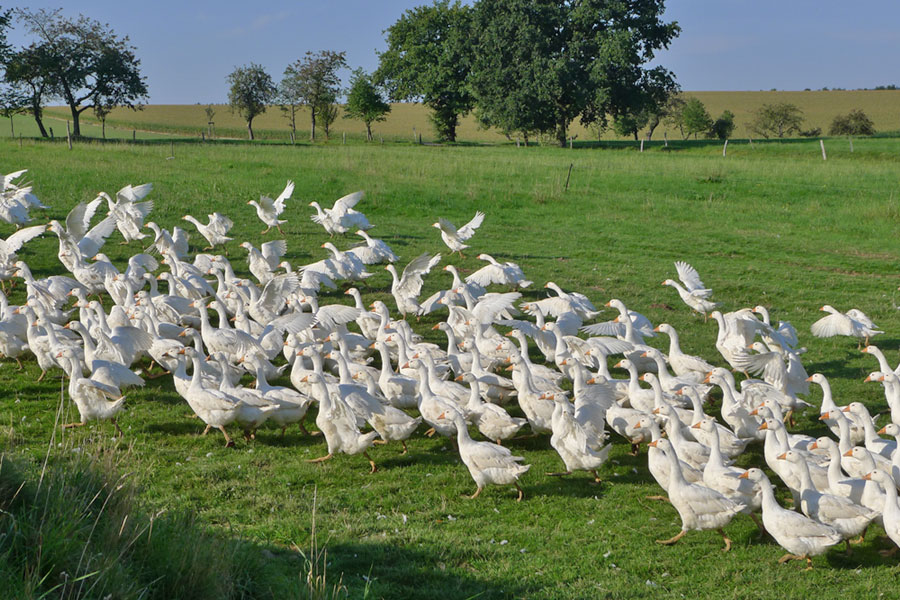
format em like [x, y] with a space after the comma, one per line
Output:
[777, 119]
[855, 123]
[723, 127]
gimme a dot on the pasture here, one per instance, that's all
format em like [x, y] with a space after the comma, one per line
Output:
[405, 120]
[771, 224]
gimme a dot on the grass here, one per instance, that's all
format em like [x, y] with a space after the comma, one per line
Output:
[770, 224]
[407, 120]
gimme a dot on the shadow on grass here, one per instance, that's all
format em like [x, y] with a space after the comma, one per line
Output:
[400, 572]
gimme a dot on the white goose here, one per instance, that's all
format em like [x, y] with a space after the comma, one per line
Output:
[406, 287]
[508, 274]
[215, 231]
[853, 323]
[491, 420]
[269, 210]
[455, 238]
[95, 400]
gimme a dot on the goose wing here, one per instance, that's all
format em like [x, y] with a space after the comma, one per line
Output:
[410, 283]
[468, 230]
[345, 203]
[691, 280]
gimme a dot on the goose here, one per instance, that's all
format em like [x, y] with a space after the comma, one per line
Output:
[845, 516]
[673, 383]
[855, 460]
[538, 411]
[657, 462]
[730, 444]
[215, 231]
[264, 261]
[449, 296]
[341, 217]
[406, 288]
[883, 364]
[346, 264]
[372, 251]
[95, 400]
[782, 370]
[13, 244]
[890, 509]
[269, 210]
[866, 493]
[853, 323]
[698, 303]
[698, 506]
[455, 238]
[784, 335]
[492, 421]
[683, 364]
[801, 536]
[691, 289]
[164, 242]
[894, 430]
[733, 411]
[724, 478]
[891, 391]
[494, 387]
[564, 302]
[338, 424]
[691, 452]
[874, 443]
[571, 441]
[508, 274]
[488, 463]
[435, 409]
[391, 423]
[736, 332]
[128, 211]
[292, 405]
[857, 431]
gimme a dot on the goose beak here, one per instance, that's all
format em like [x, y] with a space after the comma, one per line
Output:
[744, 475]
[809, 378]
[591, 381]
[443, 415]
[679, 392]
[643, 377]
[754, 412]
[845, 409]
[510, 367]
[882, 431]
[762, 426]
[867, 477]
[825, 416]
[813, 446]
[656, 329]
[458, 378]
[867, 379]
[848, 452]
[653, 443]
[696, 425]
[782, 456]
[305, 379]
[436, 326]
[618, 365]
[405, 365]
[655, 411]
[644, 355]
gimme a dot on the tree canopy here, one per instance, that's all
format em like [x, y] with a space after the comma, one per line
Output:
[79, 60]
[695, 118]
[364, 102]
[250, 90]
[777, 119]
[566, 59]
[428, 59]
[313, 81]
[855, 123]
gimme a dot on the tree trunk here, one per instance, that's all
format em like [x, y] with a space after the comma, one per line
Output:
[103, 127]
[312, 129]
[368, 131]
[12, 129]
[561, 134]
[250, 128]
[635, 132]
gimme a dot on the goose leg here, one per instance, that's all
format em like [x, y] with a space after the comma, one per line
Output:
[119, 429]
[405, 449]
[309, 433]
[475, 495]
[660, 498]
[727, 541]
[788, 557]
[321, 458]
[861, 538]
[890, 552]
[430, 432]
[266, 230]
[521, 492]
[229, 443]
[762, 529]
[371, 462]
[279, 230]
[379, 442]
[635, 448]
[41, 378]
[70, 425]
[596, 476]
[671, 541]
[205, 431]
[560, 474]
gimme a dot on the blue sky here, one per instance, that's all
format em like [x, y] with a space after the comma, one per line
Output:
[188, 48]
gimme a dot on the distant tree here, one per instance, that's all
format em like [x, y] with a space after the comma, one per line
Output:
[629, 124]
[723, 127]
[101, 111]
[313, 81]
[85, 63]
[210, 112]
[327, 115]
[695, 117]
[539, 65]
[5, 23]
[250, 91]
[428, 59]
[675, 113]
[13, 101]
[289, 100]
[28, 71]
[364, 102]
[777, 120]
[855, 123]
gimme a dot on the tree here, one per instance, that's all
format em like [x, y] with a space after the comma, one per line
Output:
[427, 60]
[723, 127]
[855, 123]
[84, 62]
[675, 113]
[5, 23]
[101, 111]
[566, 59]
[777, 119]
[28, 71]
[13, 101]
[313, 81]
[695, 117]
[250, 91]
[364, 102]
[327, 115]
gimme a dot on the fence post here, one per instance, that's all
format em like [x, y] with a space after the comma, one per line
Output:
[822, 143]
[851, 145]
[566, 189]
[68, 135]
[344, 140]
[642, 145]
[725, 148]
[666, 138]
[133, 135]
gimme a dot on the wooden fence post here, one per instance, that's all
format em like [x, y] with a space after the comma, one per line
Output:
[642, 145]
[68, 135]
[725, 148]
[851, 145]
[822, 143]
[344, 140]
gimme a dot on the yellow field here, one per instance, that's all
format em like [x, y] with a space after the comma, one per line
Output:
[819, 108]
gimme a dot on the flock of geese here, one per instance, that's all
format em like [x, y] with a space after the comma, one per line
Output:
[375, 380]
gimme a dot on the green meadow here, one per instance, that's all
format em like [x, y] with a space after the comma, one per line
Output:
[770, 223]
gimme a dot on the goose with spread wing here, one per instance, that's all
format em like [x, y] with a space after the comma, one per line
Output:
[691, 289]
[406, 287]
[341, 217]
[215, 231]
[506, 273]
[455, 238]
[853, 323]
[269, 210]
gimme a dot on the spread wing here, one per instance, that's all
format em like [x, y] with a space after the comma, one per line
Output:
[691, 280]
[468, 230]
[14, 242]
[831, 325]
[220, 223]
[91, 243]
[341, 205]
[332, 315]
[273, 251]
[284, 195]
[411, 279]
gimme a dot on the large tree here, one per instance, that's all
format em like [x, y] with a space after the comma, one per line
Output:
[29, 73]
[313, 81]
[364, 102]
[778, 119]
[428, 59]
[539, 64]
[250, 91]
[86, 64]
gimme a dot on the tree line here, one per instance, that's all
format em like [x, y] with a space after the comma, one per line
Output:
[525, 67]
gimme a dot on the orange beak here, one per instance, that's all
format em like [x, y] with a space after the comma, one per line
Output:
[882, 431]
[762, 426]
[782, 456]
[696, 425]
[706, 379]
[867, 477]
[744, 475]
[813, 446]
[809, 378]
[653, 443]
[849, 452]
[591, 381]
